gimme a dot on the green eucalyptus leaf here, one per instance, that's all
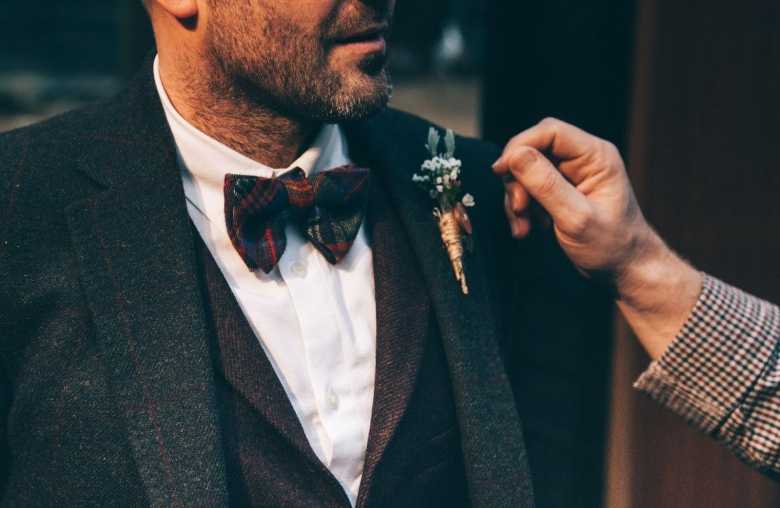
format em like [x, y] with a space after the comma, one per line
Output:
[449, 143]
[433, 141]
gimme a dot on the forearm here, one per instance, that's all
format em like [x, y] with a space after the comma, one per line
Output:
[656, 293]
[722, 373]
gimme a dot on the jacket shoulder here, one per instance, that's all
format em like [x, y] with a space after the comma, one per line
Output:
[477, 156]
[57, 137]
[40, 177]
[416, 128]
[43, 158]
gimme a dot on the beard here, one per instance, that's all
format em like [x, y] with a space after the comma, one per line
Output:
[277, 65]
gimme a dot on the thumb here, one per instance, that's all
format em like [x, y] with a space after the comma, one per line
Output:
[567, 206]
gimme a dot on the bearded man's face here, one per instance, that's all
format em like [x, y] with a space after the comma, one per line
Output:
[321, 60]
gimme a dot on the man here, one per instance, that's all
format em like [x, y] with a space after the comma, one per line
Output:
[181, 326]
[715, 348]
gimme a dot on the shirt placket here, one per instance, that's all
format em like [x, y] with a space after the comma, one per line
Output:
[308, 280]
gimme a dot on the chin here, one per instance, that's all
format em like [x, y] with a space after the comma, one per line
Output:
[360, 94]
[354, 108]
[336, 93]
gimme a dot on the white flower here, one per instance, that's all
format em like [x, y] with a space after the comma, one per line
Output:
[468, 200]
[438, 179]
[440, 188]
[454, 174]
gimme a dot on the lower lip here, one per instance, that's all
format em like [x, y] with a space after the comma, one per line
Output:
[376, 45]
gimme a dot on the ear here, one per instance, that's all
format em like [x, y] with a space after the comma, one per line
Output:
[180, 9]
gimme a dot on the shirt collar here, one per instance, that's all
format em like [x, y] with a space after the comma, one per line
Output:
[204, 161]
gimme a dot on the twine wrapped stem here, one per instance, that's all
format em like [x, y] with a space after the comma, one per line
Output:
[451, 237]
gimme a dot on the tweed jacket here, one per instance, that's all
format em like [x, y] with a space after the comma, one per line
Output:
[107, 385]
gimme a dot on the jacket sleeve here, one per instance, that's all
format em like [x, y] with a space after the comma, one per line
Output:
[722, 373]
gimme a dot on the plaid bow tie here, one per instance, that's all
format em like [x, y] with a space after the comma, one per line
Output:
[328, 207]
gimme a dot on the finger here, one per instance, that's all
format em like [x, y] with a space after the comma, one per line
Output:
[557, 138]
[566, 145]
[518, 197]
[519, 222]
[545, 184]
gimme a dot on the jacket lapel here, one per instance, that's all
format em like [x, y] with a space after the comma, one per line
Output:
[491, 434]
[135, 248]
[244, 364]
[402, 327]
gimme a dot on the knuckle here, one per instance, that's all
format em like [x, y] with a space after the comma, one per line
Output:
[549, 183]
[514, 140]
[550, 122]
[523, 156]
[602, 154]
[609, 156]
[579, 223]
[610, 150]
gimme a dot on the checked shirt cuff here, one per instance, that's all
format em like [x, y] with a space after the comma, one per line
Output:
[721, 372]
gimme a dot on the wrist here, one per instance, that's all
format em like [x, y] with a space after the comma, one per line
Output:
[646, 269]
[656, 292]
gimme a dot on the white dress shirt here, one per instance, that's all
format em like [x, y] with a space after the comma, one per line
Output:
[315, 321]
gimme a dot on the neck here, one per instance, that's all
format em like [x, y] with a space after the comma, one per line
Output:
[227, 114]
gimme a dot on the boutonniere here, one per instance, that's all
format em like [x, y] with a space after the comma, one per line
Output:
[440, 177]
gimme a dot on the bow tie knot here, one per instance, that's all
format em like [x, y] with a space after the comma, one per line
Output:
[329, 208]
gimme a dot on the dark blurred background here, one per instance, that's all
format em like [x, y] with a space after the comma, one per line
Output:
[687, 90]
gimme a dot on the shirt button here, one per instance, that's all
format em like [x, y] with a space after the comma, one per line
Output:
[332, 399]
[298, 269]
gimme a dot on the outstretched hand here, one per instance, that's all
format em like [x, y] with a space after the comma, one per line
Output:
[581, 181]
[596, 217]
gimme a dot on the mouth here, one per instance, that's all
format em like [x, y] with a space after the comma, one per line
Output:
[368, 39]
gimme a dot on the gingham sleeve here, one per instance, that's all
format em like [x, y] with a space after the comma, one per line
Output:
[722, 374]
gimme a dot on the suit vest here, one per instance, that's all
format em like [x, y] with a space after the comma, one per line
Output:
[413, 457]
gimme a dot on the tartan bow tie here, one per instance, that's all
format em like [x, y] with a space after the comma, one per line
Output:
[329, 208]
